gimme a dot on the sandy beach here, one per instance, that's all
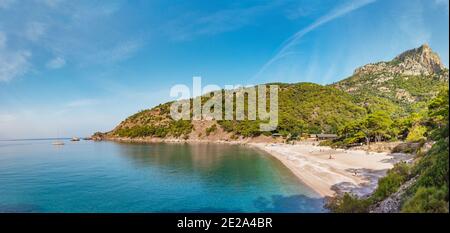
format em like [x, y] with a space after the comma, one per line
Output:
[328, 170]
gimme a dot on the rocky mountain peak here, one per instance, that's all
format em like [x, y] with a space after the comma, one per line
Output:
[417, 61]
[421, 60]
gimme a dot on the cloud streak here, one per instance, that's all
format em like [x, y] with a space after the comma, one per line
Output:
[81, 103]
[12, 63]
[4, 4]
[412, 24]
[5, 118]
[119, 52]
[191, 25]
[57, 31]
[56, 63]
[294, 39]
[34, 31]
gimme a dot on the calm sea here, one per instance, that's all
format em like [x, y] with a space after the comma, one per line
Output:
[87, 176]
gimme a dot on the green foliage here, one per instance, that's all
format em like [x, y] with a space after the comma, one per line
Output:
[377, 126]
[375, 94]
[427, 200]
[391, 182]
[430, 191]
[387, 185]
[417, 133]
[180, 127]
[366, 115]
[312, 108]
[347, 203]
[304, 108]
[211, 129]
[175, 129]
[438, 112]
[227, 126]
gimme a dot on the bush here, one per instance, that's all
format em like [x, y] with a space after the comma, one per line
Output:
[391, 182]
[417, 133]
[175, 128]
[427, 200]
[433, 167]
[180, 127]
[211, 129]
[347, 203]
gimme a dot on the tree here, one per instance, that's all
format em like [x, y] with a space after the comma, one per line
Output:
[379, 125]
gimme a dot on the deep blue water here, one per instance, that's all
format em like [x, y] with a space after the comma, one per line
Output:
[87, 176]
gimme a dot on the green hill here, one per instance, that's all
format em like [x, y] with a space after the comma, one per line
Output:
[397, 89]
[413, 77]
[303, 108]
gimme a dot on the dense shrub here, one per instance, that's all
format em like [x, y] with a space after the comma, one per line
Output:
[427, 200]
[211, 129]
[175, 129]
[391, 182]
[347, 203]
[417, 133]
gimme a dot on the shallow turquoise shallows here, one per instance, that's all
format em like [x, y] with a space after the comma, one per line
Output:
[86, 176]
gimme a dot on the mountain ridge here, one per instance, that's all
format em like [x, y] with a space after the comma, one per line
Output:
[413, 76]
[418, 61]
[397, 87]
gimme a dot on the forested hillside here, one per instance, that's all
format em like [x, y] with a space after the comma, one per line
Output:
[418, 187]
[379, 102]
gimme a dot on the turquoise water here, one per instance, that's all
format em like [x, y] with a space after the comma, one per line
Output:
[87, 176]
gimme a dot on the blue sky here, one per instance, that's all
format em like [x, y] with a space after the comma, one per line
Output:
[69, 68]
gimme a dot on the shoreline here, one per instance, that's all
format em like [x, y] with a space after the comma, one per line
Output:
[355, 171]
[316, 187]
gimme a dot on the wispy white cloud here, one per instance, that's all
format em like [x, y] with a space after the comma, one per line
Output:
[119, 52]
[123, 50]
[294, 39]
[75, 31]
[51, 3]
[6, 117]
[85, 13]
[12, 63]
[56, 63]
[302, 9]
[2, 40]
[5, 4]
[412, 23]
[192, 25]
[35, 30]
[443, 3]
[81, 103]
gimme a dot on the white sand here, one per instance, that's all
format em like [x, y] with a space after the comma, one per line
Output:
[312, 164]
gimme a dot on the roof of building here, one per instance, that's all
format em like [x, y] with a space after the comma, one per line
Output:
[323, 135]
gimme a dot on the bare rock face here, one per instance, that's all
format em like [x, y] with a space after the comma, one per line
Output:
[392, 204]
[421, 60]
[418, 61]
